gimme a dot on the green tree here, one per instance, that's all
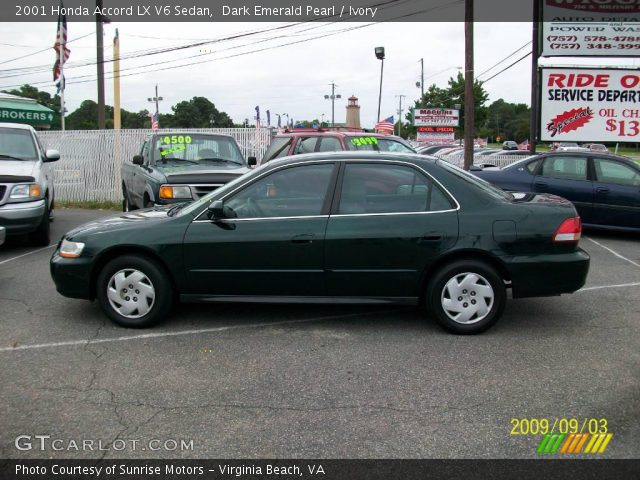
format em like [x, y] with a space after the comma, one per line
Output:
[457, 95]
[198, 112]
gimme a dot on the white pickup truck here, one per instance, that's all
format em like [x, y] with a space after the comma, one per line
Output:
[26, 183]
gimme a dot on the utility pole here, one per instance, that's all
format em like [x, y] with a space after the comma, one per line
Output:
[116, 81]
[156, 99]
[422, 78]
[400, 114]
[469, 98]
[100, 65]
[333, 97]
[533, 127]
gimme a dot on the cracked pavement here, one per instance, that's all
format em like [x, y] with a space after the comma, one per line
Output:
[335, 382]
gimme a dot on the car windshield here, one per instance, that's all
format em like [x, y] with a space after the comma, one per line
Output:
[17, 144]
[477, 182]
[195, 148]
[377, 144]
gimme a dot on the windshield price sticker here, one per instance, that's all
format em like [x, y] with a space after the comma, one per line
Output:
[175, 149]
[177, 140]
[362, 141]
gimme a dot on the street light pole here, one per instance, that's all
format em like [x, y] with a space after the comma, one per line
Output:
[400, 114]
[333, 97]
[379, 51]
[422, 77]
[156, 99]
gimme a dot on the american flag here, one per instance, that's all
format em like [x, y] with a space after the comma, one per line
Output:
[386, 126]
[155, 121]
[61, 41]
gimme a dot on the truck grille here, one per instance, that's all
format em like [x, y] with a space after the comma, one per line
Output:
[199, 191]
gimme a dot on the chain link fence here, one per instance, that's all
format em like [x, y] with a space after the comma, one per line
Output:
[90, 160]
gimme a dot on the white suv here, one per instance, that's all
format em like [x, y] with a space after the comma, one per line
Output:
[26, 186]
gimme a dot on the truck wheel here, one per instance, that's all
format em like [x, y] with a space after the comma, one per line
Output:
[127, 206]
[42, 234]
[466, 297]
[134, 292]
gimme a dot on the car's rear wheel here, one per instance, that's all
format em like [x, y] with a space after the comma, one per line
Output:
[466, 296]
[134, 291]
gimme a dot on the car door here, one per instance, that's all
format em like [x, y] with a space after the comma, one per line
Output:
[388, 222]
[568, 177]
[273, 241]
[617, 193]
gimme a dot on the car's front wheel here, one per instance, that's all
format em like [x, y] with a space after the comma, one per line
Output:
[134, 291]
[466, 296]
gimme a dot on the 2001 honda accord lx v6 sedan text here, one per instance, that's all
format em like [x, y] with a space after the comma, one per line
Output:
[333, 227]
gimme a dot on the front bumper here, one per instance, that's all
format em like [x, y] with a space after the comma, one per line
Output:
[21, 217]
[72, 276]
[548, 275]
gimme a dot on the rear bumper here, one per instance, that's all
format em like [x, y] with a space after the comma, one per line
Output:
[72, 276]
[21, 217]
[548, 275]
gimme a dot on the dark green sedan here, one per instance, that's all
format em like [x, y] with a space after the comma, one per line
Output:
[340, 227]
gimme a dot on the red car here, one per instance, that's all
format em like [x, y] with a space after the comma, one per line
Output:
[309, 140]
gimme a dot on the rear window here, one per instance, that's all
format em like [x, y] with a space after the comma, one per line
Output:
[476, 182]
[377, 144]
[279, 148]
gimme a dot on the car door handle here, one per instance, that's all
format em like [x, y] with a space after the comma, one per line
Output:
[430, 237]
[304, 238]
[603, 190]
[541, 184]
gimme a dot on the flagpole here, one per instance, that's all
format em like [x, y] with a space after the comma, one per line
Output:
[62, 83]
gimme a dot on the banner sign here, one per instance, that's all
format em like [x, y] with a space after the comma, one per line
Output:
[439, 135]
[590, 105]
[436, 117]
[25, 116]
[590, 28]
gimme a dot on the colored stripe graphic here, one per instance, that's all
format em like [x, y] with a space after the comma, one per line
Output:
[550, 443]
[598, 443]
[574, 443]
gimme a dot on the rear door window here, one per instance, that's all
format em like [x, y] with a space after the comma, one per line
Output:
[565, 168]
[306, 145]
[610, 171]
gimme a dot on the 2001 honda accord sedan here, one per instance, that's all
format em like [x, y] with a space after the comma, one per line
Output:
[335, 227]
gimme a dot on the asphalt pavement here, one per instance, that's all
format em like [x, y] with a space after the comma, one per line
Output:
[287, 381]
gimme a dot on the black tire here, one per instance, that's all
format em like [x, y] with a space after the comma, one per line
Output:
[155, 276]
[127, 206]
[438, 293]
[42, 235]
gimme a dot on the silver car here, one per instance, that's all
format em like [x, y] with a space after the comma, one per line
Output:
[26, 183]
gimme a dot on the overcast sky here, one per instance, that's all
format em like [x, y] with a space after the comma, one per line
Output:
[291, 79]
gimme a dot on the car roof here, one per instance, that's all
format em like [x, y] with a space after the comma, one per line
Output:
[353, 155]
[188, 132]
[311, 133]
[19, 126]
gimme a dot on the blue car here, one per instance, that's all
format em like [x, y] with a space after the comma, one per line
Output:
[605, 189]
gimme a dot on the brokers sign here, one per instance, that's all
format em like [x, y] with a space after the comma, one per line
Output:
[25, 116]
[590, 105]
[590, 28]
[436, 117]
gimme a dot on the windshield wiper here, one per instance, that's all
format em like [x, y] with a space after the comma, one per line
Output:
[223, 160]
[166, 159]
[11, 158]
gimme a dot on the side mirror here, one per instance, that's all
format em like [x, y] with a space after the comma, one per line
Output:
[216, 210]
[52, 156]
[252, 161]
[138, 160]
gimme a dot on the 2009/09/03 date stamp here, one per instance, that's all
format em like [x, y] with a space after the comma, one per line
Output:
[543, 426]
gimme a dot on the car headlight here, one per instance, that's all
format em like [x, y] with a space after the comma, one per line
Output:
[69, 249]
[26, 190]
[169, 192]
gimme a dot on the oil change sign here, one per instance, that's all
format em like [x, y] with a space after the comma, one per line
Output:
[590, 28]
[590, 105]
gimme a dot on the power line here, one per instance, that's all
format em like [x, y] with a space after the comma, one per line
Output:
[43, 50]
[503, 60]
[507, 68]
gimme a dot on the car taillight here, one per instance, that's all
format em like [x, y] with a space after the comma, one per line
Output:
[568, 231]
